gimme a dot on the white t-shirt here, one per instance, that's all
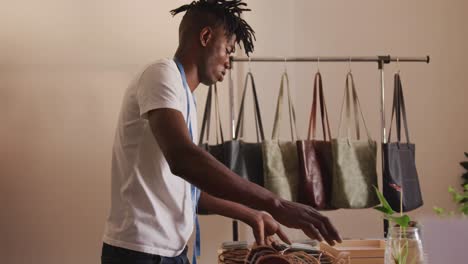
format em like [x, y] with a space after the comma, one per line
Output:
[151, 208]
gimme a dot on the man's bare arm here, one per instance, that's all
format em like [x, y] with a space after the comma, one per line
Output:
[198, 167]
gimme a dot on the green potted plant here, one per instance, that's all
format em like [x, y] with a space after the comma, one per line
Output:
[460, 198]
[403, 244]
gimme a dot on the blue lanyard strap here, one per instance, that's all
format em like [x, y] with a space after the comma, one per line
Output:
[184, 82]
[194, 190]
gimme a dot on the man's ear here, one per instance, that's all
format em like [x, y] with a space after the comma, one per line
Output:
[205, 36]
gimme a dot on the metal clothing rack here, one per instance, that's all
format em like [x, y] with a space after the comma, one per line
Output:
[380, 60]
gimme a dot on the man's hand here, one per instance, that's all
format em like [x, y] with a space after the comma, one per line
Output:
[264, 227]
[262, 223]
[306, 218]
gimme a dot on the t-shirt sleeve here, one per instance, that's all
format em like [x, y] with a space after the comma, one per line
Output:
[158, 87]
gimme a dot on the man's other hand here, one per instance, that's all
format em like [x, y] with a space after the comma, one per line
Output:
[264, 227]
[310, 221]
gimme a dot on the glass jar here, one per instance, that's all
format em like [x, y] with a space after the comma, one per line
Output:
[404, 246]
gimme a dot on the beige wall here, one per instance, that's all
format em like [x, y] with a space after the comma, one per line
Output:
[65, 64]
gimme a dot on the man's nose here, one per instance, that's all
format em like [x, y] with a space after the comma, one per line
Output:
[227, 63]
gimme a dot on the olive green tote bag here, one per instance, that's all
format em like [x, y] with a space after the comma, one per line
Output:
[354, 160]
[280, 161]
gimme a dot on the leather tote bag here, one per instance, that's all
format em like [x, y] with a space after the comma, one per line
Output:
[315, 156]
[400, 174]
[217, 150]
[280, 163]
[354, 160]
[245, 158]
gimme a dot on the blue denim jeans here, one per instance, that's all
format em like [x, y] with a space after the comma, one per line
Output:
[117, 255]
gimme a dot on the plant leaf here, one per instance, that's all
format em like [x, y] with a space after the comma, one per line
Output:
[466, 187]
[439, 211]
[458, 197]
[466, 154]
[464, 164]
[384, 206]
[403, 221]
[464, 209]
[451, 190]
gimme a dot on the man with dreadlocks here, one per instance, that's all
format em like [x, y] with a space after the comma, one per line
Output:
[156, 166]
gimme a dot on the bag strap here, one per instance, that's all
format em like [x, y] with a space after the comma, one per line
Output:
[400, 109]
[357, 107]
[345, 103]
[257, 114]
[300, 257]
[323, 110]
[218, 116]
[403, 111]
[279, 106]
[395, 105]
[207, 117]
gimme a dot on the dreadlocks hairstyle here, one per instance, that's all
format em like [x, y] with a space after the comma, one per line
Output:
[226, 13]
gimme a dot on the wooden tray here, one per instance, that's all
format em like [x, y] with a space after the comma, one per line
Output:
[363, 251]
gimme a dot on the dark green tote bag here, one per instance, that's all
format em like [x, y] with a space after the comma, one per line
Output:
[217, 150]
[245, 158]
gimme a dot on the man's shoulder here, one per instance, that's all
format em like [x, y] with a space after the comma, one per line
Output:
[161, 74]
[162, 66]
